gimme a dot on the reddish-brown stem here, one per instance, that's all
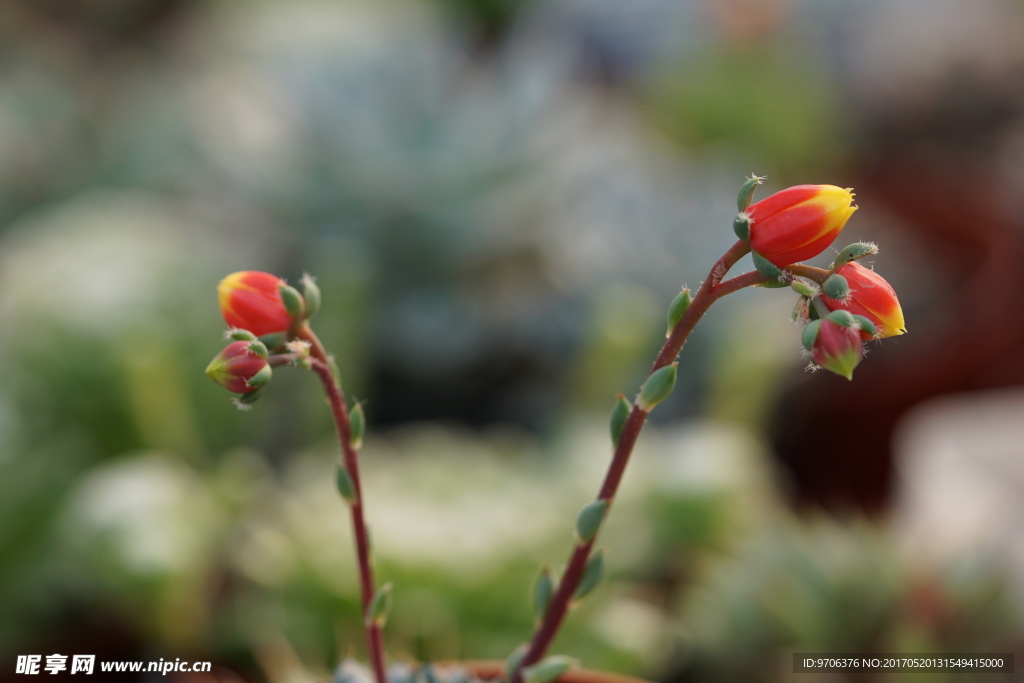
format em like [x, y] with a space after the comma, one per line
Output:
[712, 289]
[819, 275]
[317, 350]
[322, 366]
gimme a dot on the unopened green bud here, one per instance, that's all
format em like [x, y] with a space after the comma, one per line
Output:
[292, 301]
[356, 426]
[380, 607]
[240, 335]
[620, 414]
[677, 309]
[513, 661]
[746, 193]
[274, 340]
[549, 669]
[311, 295]
[261, 378]
[245, 401]
[588, 522]
[592, 575]
[809, 334]
[836, 287]
[841, 318]
[346, 487]
[259, 348]
[765, 267]
[657, 388]
[866, 325]
[543, 590]
[741, 226]
[853, 252]
[802, 288]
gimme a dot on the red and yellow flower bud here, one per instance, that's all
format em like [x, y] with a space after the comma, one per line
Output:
[799, 222]
[251, 300]
[836, 345]
[240, 368]
[871, 296]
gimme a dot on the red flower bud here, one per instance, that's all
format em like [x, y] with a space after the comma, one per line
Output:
[872, 297]
[837, 347]
[799, 222]
[239, 368]
[251, 300]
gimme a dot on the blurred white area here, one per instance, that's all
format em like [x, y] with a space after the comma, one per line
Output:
[102, 262]
[474, 510]
[960, 466]
[146, 510]
[469, 504]
[896, 67]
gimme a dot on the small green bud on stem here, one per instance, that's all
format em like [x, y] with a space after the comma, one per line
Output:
[548, 670]
[311, 295]
[357, 426]
[513, 660]
[346, 487]
[620, 413]
[380, 606]
[802, 288]
[543, 590]
[592, 575]
[274, 340]
[657, 388]
[677, 309]
[292, 301]
[746, 193]
[588, 522]
[854, 252]
[765, 267]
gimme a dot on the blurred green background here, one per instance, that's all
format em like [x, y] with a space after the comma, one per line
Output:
[499, 198]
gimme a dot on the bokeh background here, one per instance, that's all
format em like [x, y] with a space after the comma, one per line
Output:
[499, 199]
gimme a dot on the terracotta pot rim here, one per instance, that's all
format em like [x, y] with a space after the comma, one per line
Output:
[488, 669]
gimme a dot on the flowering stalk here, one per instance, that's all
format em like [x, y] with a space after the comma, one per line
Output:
[255, 304]
[787, 227]
[350, 464]
[710, 291]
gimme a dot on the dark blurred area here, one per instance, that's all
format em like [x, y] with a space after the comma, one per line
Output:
[499, 198]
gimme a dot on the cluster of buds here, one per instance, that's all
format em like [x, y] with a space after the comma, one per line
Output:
[264, 314]
[854, 305]
[847, 304]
